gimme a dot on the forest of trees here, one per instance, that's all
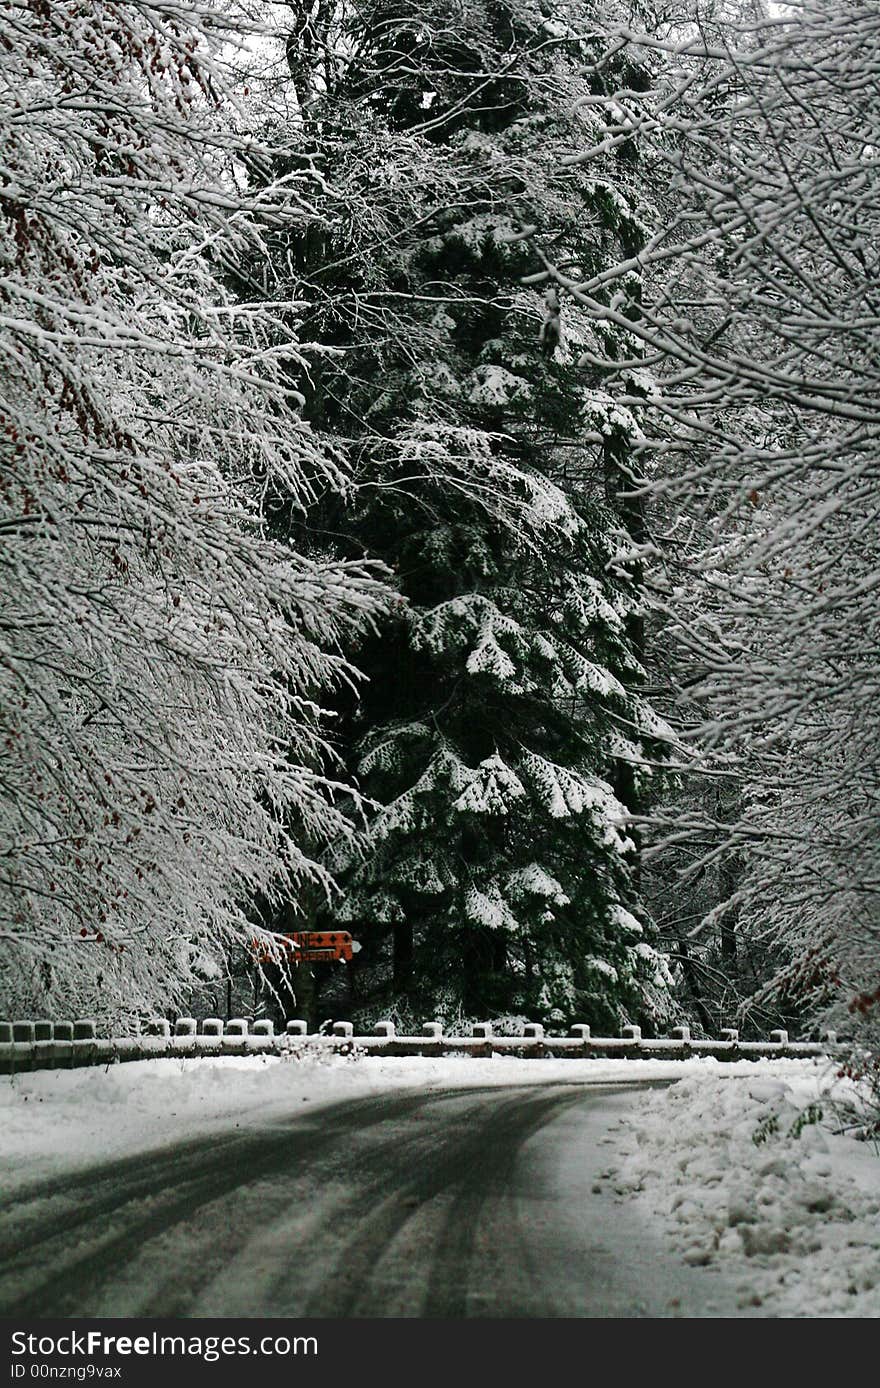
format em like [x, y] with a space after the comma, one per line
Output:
[438, 497]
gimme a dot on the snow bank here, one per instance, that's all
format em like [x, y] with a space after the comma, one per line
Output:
[748, 1175]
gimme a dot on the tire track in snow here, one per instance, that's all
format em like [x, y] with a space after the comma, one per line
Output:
[445, 1204]
[143, 1197]
[464, 1166]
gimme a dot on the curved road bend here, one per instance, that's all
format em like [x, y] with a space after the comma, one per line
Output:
[449, 1204]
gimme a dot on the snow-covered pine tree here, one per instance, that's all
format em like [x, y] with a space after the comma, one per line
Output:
[502, 721]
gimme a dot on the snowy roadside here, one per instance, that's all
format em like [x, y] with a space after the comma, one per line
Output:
[749, 1180]
[54, 1121]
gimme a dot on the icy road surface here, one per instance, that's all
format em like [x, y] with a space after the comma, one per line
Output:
[466, 1202]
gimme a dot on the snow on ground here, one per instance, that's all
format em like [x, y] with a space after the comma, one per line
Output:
[734, 1161]
[751, 1178]
[53, 1121]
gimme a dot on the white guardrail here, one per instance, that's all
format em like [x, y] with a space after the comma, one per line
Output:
[48, 1045]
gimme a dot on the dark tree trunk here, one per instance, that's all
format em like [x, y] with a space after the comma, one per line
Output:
[403, 956]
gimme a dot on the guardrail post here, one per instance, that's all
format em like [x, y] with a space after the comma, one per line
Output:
[44, 1031]
[482, 1030]
[23, 1031]
[631, 1033]
[84, 1029]
[185, 1026]
[730, 1034]
[5, 1033]
[343, 1029]
[156, 1026]
[580, 1030]
[384, 1029]
[212, 1026]
[297, 1028]
[779, 1037]
[237, 1026]
[63, 1031]
[433, 1029]
[264, 1027]
[534, 1030]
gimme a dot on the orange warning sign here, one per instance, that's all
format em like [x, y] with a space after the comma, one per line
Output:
[306, 947]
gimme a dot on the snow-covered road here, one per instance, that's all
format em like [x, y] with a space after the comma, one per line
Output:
[326, 1185]
[467, 1202]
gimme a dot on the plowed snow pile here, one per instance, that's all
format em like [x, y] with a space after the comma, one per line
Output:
[750, 1176]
